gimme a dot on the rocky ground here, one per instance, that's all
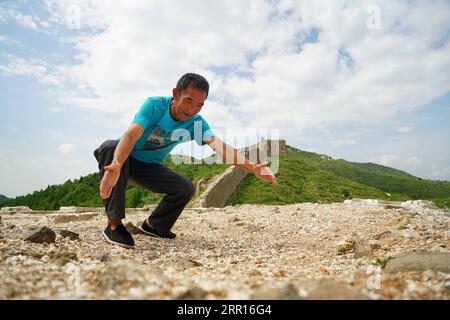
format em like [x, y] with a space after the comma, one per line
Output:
[360, 249]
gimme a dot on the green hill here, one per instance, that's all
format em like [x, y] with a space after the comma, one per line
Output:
[303, 177]
[3, 198]
[311, 177]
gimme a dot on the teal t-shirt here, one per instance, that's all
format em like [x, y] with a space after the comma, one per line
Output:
[162, 133]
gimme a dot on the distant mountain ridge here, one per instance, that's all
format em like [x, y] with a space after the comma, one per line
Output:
[303, 177]
[310, 177]
[3, 198]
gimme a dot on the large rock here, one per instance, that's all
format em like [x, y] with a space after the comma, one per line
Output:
[185, 264]
[43, 235]
[11, 210]
[104, 258]
[392, 206]
[332, 290]
[344, 246]
[284, 292]
[132, 229]
[195, 293]
[86, 216]
[374, 244]
[420, 261]
[399, 223]
[66, 218]
[418, 205]
[382, 234]
[362, 249]
[69, 234]
[63, 257]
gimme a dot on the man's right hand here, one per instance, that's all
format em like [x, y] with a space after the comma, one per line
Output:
[123, 150]
[109, 180]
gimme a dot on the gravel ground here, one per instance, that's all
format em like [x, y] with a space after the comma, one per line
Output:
[299, 251]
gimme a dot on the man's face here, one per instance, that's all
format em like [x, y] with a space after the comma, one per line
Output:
[187, 103]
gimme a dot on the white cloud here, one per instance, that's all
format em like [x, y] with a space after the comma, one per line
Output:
[76, 14]
[343, 142]
[57, 109]
[25, 20]
[19, 66]
[8, 40]
[66, 148]
[39, 69]
[441, 173]
[405, 129]
[352, 74]
[394, 161]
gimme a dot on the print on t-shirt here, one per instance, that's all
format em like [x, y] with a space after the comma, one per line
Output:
[158, 138]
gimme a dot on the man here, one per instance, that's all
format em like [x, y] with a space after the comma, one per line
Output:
[140, 152]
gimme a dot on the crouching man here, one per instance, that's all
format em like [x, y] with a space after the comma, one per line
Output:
[139, 154]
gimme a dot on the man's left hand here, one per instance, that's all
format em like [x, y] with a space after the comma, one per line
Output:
[263, 172]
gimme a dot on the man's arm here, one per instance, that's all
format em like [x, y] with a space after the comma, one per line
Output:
[126, 143]
[123, 150]
[231, 156]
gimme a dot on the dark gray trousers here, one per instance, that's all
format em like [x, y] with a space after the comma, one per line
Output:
[177, 189]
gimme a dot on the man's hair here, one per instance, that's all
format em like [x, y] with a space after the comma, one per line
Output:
[195, 80]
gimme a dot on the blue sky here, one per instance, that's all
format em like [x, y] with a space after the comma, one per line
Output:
[73, 73]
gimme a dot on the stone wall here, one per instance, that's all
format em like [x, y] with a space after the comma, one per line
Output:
[224, 186]
[220, 190]
[12, 210]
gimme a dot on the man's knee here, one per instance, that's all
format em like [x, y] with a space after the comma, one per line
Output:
[108, 146]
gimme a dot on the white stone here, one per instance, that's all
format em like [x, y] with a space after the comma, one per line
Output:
[11, 210]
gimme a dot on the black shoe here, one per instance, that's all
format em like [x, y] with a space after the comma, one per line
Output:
[145, 228]
[119, 236]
